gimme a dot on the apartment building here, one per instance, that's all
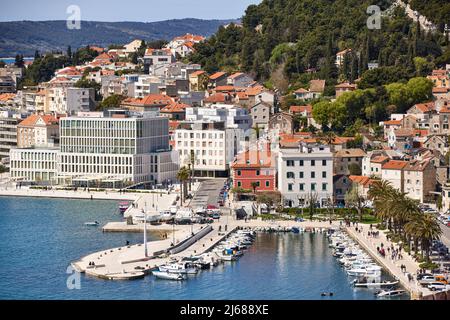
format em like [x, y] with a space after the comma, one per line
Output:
[348, 160]
[233, 116]
[209, 147]
[34, 165]
[69, 100]
[305, 174]
[8, 132]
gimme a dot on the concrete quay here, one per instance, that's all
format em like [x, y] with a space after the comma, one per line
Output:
[130, 262]
[370, 245]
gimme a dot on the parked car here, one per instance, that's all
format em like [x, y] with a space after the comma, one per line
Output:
[438, 286]
[216, 215]
[426, 280]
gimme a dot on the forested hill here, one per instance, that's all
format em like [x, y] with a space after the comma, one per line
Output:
[24, 37]
[437, 11]
[283, 41]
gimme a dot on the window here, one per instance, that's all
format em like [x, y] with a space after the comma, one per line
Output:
[290, 163]
[313, 174]
[239, 184]
[302, 186]
[301, 175]
[324, 186]
[290, 175]
[301, 163]
[313, 187]
[313, 163]
[324, 162]
[257, 172]
[267, 183]
[324, 174]
[290, 187]
[239, 172]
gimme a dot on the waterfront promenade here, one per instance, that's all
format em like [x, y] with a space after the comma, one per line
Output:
[370, 244]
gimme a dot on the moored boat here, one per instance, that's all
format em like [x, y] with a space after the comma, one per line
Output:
[169, 276]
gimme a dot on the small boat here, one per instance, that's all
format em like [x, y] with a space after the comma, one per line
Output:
[180, 267]
[375, 284]
[169, 276]
[92, 224]
[390, 293]
[295, 230]
[123, 206]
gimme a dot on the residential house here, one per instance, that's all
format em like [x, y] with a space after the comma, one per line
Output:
[218, 79]
[239, 79]
[305, 175]
[255, 168]
[260, 114]
[348, 162]
[344, 87]
[38, 131]
[420, 180]
[393, 172]
[280, 123]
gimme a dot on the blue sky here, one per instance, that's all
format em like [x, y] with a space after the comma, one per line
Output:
[124, 10]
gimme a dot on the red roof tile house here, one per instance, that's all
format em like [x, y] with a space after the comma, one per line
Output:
[37, 131]
[343, 88]
[217, 79]
[254, 167]
[151, 102]
[393, 172]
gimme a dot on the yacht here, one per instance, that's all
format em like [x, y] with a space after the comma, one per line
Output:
[179, 267]
[169, 276]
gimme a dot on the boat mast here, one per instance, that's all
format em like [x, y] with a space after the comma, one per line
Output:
[145, 230]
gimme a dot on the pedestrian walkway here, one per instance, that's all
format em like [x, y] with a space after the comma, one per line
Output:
[393, 266]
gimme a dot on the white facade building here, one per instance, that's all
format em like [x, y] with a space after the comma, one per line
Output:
[233, 116]
[34, 165]
[211, 145]
[305, 174]
[116, 149]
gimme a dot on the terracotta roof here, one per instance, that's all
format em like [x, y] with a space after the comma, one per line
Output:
[301, 90]
[173, 125]
[392, 122]
[317, 85]
[103, 56]
[403, 132]
[346, 85]
[350, 153]
[34, 118]
[394, 165]
[342, 140]
[380, 159]
[150, 100]
[190, 37]
[225, 88]
[217, 97]
[254, 91]
[242, 95]
[174, 108]
[255, 158]
[217, 75]
[363, 180]
[417, 165]
[197, 73]
[441, 90]
[235, 75]
[150, 51]
[439, 72]
[300, 109]
[425, 107]
[7, 96]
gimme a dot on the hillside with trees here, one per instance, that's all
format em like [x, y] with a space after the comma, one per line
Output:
[283, 41]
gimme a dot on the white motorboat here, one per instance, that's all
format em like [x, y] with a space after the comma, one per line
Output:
[371, 270]
[368, 284]
[390, 293]
[92, 224]
[169, 276]
[166, 215]
[179, 267]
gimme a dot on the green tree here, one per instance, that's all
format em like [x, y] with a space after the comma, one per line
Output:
[112, 102]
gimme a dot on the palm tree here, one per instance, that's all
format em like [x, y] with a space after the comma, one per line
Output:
[383, 196]
[424, 227]
[183, 176]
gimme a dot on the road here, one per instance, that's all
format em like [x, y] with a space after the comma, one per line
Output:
[208, 193]
[445, 238]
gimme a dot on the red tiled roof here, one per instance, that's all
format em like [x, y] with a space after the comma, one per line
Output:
[174, 108]
[394, 165]
[393, 122]
[197, 73]
[34, 118]
[217, 97]
[300, 109]
[217, 75]
[150, 100]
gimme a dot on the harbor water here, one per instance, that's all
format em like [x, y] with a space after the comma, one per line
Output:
[40, 237]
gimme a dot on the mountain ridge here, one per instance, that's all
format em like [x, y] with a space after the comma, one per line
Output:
[25, 37]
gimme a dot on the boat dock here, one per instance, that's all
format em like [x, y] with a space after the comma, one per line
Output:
[393, 267]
